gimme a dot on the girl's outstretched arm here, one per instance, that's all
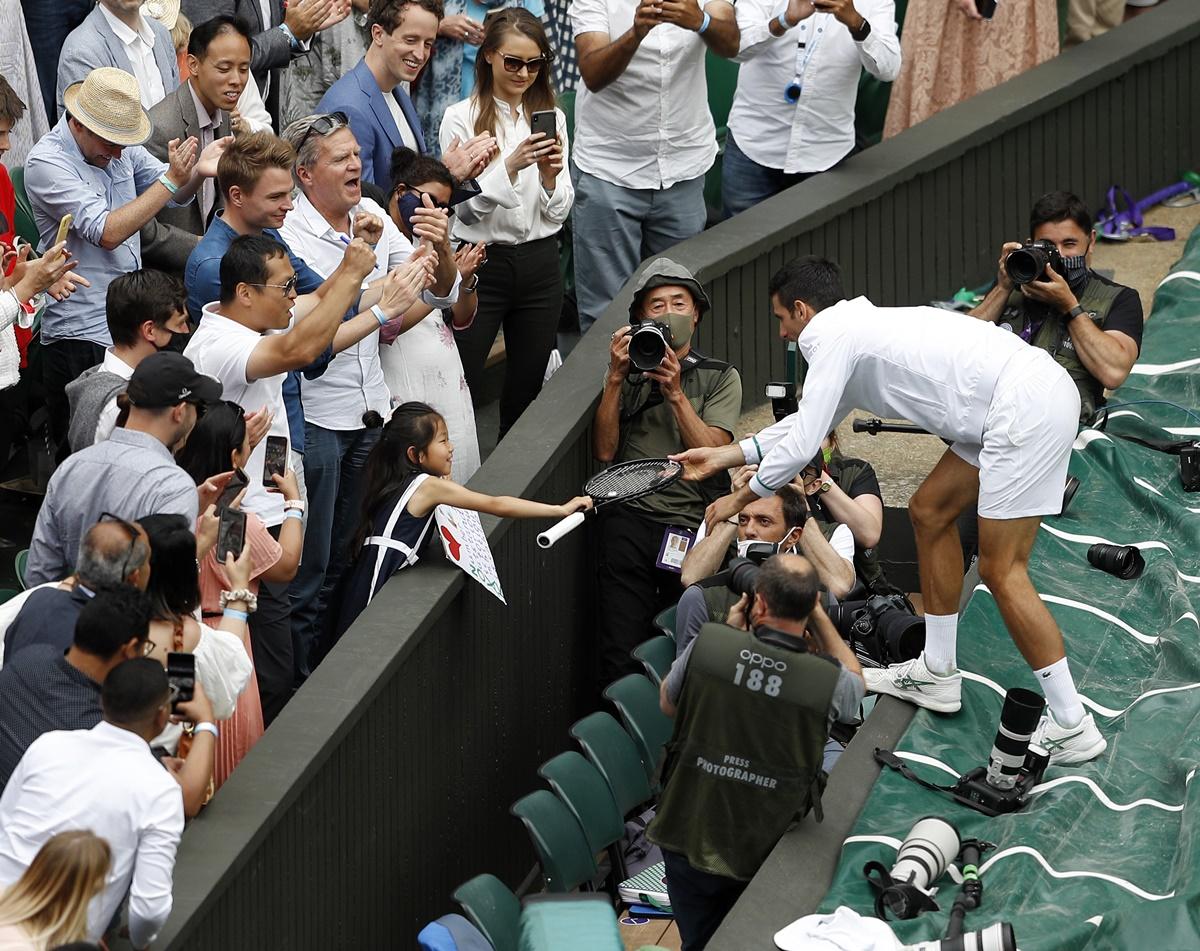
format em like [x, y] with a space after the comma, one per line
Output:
[433, 492]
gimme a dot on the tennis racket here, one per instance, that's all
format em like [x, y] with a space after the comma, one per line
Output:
[623, 482]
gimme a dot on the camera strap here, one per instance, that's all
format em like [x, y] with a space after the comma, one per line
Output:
[959, 792]
[1099, 422]
[694, 360]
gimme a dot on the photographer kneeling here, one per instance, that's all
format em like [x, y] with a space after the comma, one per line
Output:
[754, 704]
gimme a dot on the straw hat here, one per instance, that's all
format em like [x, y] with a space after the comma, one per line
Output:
[165, 12]
[108, 103]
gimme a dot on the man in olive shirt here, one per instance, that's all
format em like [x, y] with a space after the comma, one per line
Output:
[687, 401]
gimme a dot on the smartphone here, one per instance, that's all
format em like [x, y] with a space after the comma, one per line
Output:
[276, 459]
[64, 226]
[181, 675]
[544, 122]
[236, 484]
[231, 534]
[986, 8]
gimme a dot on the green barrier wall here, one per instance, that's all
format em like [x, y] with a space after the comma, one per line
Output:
[1105, 855]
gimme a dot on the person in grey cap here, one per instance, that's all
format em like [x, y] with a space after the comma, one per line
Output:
[686, 401]
[132, 473]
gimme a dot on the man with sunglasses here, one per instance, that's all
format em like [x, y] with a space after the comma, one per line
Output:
[374, 99]
[132, 473]
[793, 111]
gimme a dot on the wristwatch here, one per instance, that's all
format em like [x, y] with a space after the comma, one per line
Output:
[824, 487]
[862, 32]
[1074, 312]
[470, 288]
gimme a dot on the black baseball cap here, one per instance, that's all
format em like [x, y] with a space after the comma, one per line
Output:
[167, 379]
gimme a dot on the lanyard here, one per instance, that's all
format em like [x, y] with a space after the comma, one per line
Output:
[792, 92]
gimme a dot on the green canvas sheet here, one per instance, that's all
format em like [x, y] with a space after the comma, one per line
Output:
[1106, 854]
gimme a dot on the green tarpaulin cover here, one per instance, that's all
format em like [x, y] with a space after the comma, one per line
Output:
[1105, 855]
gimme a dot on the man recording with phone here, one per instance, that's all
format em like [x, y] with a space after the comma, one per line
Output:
[661, 395]
[753, 701]
[1090, 325]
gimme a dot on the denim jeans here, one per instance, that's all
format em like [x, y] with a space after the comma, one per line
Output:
[333, 465]
[744, 183]
[616, 228]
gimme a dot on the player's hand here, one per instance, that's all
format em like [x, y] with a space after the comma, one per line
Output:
[618, 356]
[1054, 291]
[581, 503]
[699, 464]
[667, 376]
[368, 227]
[1002, 277]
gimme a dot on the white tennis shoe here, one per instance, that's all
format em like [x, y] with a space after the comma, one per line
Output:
[916, 683]
[1067, 745]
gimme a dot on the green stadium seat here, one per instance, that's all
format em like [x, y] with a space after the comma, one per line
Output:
[566, 860]
[575, 922]
[614, 754]
[636, 699]
[579, 784]
[657, 655]
[665, 621]
[24, 225]
[493, 909]
[21, 565]
[7, 594]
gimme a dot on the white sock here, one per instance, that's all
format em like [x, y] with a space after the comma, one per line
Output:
[1061, 695]
[941, 639]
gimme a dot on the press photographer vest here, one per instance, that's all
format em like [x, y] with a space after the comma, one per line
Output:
[744, 761]
[717, 596]
[1053, 337]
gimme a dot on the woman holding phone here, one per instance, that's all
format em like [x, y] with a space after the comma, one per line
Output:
[525, 197]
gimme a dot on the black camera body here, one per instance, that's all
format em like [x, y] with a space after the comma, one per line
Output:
[783, 399]
[1028, 263]
[881, 630]
[1189, 468]
[648, 343]
[974, 790]
[742, 575]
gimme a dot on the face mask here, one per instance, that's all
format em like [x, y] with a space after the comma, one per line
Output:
[1076, 268]
[826, 454]
[681, 329]
[743, 546]
[407, 204]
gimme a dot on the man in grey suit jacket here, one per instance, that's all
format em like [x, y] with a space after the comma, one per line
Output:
[276, 37]
[218, 56]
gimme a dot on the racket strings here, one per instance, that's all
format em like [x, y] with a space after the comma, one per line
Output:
[635, 478]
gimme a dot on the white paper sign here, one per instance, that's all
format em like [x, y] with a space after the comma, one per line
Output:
[467, 546]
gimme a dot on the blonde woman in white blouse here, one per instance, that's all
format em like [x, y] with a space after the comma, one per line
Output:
[525, 197]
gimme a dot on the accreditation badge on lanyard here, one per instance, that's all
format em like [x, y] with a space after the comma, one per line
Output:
[806, 46]
[676, 542]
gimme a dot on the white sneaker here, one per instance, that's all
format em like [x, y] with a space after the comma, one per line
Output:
[916, 683]
[1078, 744]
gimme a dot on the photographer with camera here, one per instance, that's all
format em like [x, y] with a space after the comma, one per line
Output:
[753, 701]
[765, 527]
[1047, 293]
[1010, 413]
[660, 396]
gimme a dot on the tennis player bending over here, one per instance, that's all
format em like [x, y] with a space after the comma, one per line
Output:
[1011, 414]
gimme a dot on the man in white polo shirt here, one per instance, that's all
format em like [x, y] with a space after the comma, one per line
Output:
[1011, 414]
[247, 341]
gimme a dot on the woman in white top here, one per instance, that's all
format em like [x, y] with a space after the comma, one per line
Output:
[525, 198]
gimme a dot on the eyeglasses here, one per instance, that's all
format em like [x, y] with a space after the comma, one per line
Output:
[402, 186]
[513, 64]
[323, 125]
[287, 288]
[134, 538]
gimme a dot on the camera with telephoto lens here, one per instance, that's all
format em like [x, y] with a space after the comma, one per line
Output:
[997, 936]
[1028, 263]
[907, 888]
[648, 342]
[881, 630]
[743, 573]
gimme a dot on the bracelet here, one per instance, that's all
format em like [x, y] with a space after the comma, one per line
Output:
[293, 504]
[705, 22]
[474, 284]
[236, 614]
[207, 728]
[294, 513]
[241, 594]
[168, 184]
[379, 314]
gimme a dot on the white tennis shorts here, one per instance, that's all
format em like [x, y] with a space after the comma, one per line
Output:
[1027, 437]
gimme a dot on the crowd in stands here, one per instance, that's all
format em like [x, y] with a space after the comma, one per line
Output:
[276, 244]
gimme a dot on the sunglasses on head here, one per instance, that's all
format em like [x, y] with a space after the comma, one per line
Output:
[513, 64]
[134, 536]
[323, 126]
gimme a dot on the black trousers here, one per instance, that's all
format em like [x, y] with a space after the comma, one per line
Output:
[271, 642]
[62, 362]
[699, 900]
[521, 290]
[632, 589]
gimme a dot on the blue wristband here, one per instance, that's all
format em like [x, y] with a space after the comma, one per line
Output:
[168, 184]
[239, 615]
[379, 314]
[705, 22]
[294, 513]
[782, 21]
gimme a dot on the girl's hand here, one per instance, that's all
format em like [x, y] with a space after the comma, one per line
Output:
[469, 257]
[532, 150]
[581, 503]
[286, 485]
[206, 531]
[238, 570]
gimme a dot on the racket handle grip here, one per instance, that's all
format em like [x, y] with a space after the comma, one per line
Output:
[560, 528]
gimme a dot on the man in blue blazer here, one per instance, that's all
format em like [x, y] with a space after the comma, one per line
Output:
[376, 105]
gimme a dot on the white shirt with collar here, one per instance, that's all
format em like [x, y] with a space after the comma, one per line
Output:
[934, 367]
[104, 779]
[353, 382]
[821, 56]
[108, 416]
[505, 213]
[221, 348]
[139, 47]
[650, 127]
